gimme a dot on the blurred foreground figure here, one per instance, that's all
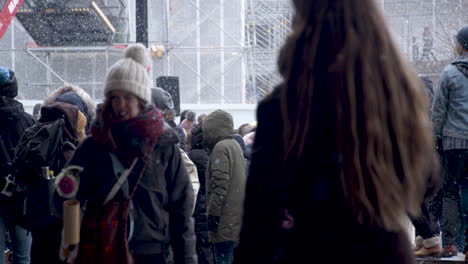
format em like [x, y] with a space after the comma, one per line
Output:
[333, 181]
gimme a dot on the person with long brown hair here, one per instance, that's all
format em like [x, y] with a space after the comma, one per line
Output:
[343, 147]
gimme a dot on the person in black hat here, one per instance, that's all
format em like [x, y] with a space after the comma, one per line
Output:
[76, 96]
[462, 40]
[449, 117]
[163, 100]
[13, 122]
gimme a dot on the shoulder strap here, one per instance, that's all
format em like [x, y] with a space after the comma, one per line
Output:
[5, 159]
[117, 166]
[4, 151]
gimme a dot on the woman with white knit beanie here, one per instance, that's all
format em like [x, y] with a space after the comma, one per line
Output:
[130, 134]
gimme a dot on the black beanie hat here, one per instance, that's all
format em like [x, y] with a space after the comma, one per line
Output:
[8, 84]
[73, 99]
[462, 37]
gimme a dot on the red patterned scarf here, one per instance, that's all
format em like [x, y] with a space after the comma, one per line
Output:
[134, 137]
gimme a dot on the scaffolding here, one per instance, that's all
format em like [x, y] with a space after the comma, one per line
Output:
[223, 51]
[203, 47]
[40, 70]
[268, 25]
[227, 53]
[425, 29]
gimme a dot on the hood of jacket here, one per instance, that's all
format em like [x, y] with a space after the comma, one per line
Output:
[90, 105]
[462, 64]
[10, 110]
[169, 136]
[62, 110]
[217, 126]
[197, 137]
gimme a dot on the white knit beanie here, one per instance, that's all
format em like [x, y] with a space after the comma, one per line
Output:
[139, 54]
[130, 74]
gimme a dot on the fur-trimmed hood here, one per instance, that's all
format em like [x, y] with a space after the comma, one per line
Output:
[90, 105]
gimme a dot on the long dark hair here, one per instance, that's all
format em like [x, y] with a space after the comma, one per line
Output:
[382, 132]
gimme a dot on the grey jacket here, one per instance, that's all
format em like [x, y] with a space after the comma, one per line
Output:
[450, 107]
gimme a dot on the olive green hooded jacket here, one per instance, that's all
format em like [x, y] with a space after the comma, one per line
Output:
[225, 176]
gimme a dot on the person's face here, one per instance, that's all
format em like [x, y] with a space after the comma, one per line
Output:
[124, 104]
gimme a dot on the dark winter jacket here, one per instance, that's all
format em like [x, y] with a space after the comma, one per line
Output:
[199, 157]
[225, 178]
[180, 134]
[240, 140]
[38, 214]
[163, 201]
[324, 230]
[13, 122]
[248, 158]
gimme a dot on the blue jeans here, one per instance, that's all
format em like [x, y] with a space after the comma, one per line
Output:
[224, 251]
[20, 239]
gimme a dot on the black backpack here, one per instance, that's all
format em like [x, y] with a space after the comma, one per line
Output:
[42, 145]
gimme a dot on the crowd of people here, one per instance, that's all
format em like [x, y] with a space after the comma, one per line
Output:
[184, 187]
[342, 152]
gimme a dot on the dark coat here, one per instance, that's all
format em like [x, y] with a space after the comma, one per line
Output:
[225, 178]
[163, 201]
[324, 230]
[38, 192]
[13, 122]
[199, 157]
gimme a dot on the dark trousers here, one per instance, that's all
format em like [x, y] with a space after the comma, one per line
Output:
[426, 224]
[150, 259]
[223, 252]
[46, 245]
[204, 249]
[455, 194]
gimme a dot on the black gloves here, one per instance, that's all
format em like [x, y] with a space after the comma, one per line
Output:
[213, 222]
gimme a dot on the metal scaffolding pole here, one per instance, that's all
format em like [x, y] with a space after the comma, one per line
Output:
[268, 26]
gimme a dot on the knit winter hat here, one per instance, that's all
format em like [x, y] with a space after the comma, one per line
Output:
[138, 53]
[8, 83]
[162, 99]
[462, 37]
[130, 74]
[73, 99]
